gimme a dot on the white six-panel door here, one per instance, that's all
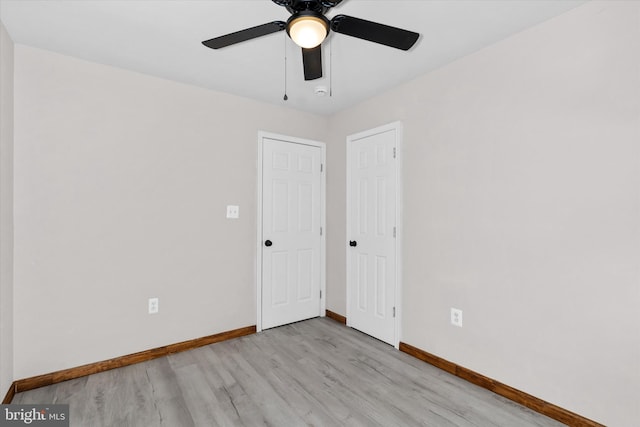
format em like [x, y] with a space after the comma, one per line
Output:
[372, 232]
[291, 232]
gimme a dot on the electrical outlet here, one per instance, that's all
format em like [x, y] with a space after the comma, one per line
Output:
[233, 212]
[153, 305]
[456, 317]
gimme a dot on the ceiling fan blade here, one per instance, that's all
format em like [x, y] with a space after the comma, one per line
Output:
[312, 62]
[244, 35]
[374, 32]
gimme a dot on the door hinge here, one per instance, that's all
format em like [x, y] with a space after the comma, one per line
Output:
[320, 293]
[394, 232]
[394, 312]
[321, 231]
[394, 152]
[321, 167]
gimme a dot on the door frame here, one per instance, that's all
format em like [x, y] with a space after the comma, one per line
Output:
[398, 128]
[262, 135]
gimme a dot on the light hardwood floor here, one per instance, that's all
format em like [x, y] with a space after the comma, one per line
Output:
[312, 373]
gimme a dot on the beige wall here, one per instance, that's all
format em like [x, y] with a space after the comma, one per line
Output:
[6, 211]
[522, 208]
[121, 187]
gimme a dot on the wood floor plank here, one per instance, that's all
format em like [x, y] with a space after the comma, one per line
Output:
[199, 397]
[294, 382]
[312, 373]
[226, 413]
[167, 396]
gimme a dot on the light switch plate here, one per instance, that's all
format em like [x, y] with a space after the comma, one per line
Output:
[233, 211]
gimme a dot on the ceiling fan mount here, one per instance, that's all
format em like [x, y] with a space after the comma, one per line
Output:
[294, 6]
[308, 27]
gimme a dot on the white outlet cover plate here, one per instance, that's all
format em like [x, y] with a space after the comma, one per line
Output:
[456, 317]
[233, 211]
[153, 305]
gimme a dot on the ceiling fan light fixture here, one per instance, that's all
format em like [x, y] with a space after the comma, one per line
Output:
[308, 29]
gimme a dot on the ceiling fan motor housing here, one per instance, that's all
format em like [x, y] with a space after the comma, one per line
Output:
[294, 6]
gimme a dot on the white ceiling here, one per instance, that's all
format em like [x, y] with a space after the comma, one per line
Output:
[162, 38]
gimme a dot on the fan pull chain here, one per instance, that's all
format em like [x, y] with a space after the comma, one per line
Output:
[285, 97]
[330, 68]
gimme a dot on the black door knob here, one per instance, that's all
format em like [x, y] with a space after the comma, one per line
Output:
[353, 243]
[268, 243]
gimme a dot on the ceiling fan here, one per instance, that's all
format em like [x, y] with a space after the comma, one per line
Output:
[308, 27]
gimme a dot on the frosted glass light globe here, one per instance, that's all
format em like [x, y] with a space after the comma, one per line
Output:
[308, 31]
